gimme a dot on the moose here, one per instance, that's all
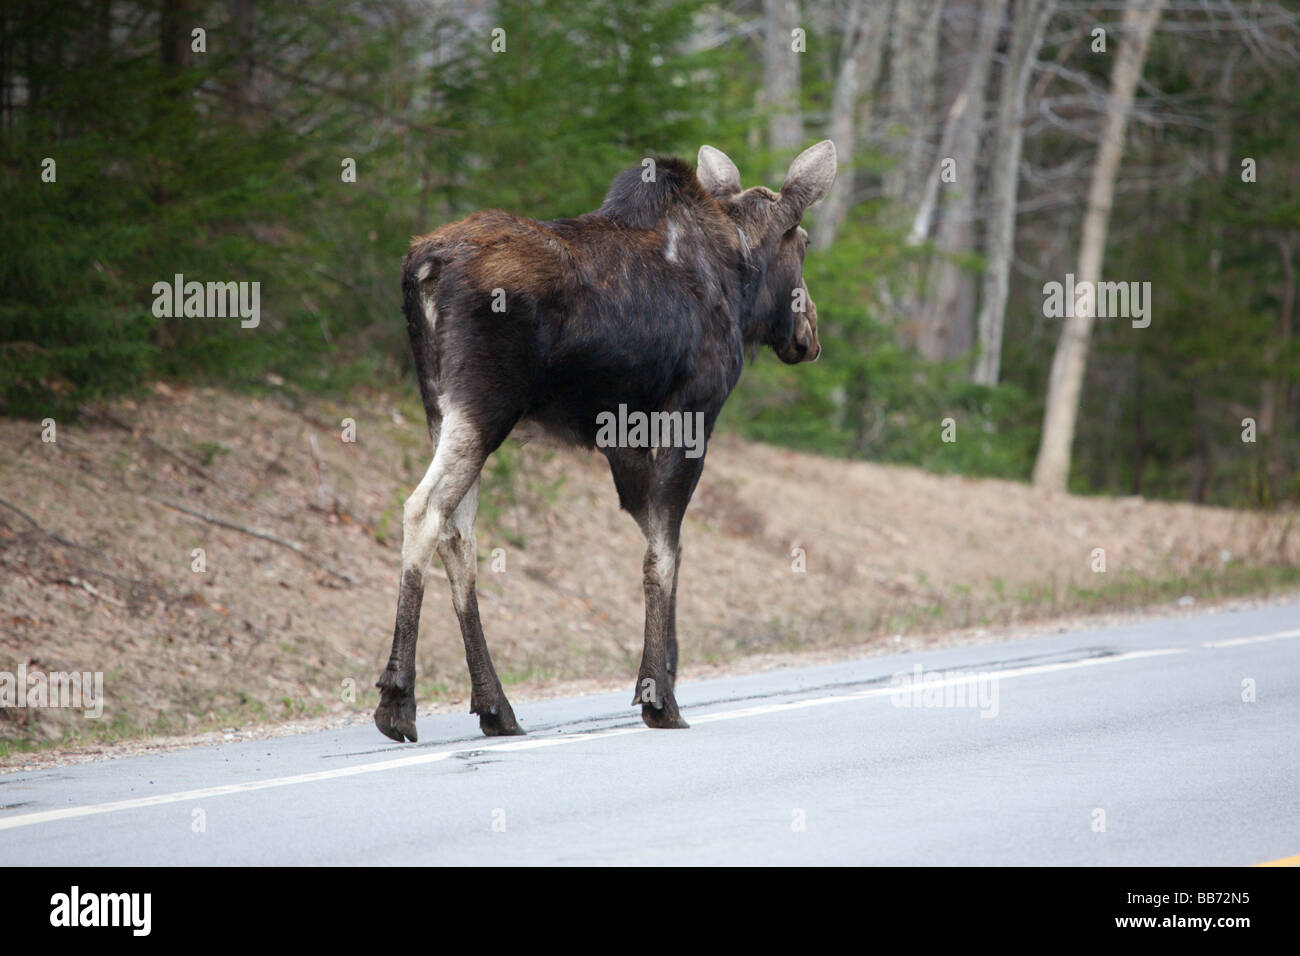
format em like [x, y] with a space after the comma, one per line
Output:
[652, 303]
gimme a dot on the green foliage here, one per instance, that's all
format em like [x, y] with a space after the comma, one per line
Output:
[226, 166]
[176, 178]
[869, 397]
[157, 185]
[1165, 407]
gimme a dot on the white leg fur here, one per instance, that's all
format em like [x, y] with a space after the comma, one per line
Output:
[453, 470]
[663, 555]
[462, 553]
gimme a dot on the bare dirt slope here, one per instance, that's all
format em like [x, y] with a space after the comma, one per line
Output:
[99, 574]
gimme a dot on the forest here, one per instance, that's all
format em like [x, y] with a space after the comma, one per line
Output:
[1061, 247]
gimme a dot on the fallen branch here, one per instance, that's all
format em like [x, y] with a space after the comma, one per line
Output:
[139, 431]
[50, 534]
[323, 492]
[149, 587]
[293, 546]
[94, 591]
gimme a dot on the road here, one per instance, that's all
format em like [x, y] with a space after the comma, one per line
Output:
[1130, 745]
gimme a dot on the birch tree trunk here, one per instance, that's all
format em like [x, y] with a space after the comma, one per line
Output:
[860, 59]
[927, 98]
[913, 93]
[1052, 469]
[781, 85]
[912, 74]
[959, 146]
[1028, 23]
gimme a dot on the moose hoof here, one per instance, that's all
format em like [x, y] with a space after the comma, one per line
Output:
[497, 720]
[667, 718]
[395, 718]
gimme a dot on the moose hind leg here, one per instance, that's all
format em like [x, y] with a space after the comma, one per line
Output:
[458, 549]
[395, 715]
[454, 468]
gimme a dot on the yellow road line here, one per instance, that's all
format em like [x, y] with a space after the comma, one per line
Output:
[1285, 861]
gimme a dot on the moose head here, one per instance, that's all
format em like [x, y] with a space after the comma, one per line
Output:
[778, 304]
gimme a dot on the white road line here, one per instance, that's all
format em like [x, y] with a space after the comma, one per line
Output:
[47, 816]
[1238, 641]
[956, 678]
[535, 743]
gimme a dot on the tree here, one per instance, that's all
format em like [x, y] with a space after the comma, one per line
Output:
[913, 72]
[1028, 24]
[781, 76]
[942, 335]
[859, 67]
[1052, 467]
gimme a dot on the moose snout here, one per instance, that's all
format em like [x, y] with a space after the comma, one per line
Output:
[814, 349]
[804, 345]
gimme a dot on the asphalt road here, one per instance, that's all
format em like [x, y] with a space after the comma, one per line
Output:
[1131, 745]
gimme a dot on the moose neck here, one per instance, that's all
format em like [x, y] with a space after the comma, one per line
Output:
[751, 269]
[699, 233]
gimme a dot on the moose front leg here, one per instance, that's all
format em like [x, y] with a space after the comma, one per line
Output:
[672, 623]
[657, 677]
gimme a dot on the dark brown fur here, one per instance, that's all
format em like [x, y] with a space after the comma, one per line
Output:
[651, 302]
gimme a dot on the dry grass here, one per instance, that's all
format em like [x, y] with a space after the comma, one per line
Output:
[267, 634]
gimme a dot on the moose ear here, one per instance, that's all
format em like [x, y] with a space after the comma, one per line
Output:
[716, 172]
[810, 177]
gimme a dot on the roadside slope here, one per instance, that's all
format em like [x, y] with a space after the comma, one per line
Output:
[104, 579]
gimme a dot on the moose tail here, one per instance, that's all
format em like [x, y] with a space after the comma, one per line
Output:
[420, 271]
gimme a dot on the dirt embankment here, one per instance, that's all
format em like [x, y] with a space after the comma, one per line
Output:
[287, 611]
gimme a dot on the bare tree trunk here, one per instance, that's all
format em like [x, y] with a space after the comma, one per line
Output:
[1219, 160]
[959, 146]
[1204, 466]
[1052, 469]
[860, 60]
[965, 106]
[1139, 426]
[1028, 24]
[241, 84]
[6, 71]
[912, 71]
[913, 92]
[927, 98]
[174, 26]
[781, 70]
[1277, 391]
